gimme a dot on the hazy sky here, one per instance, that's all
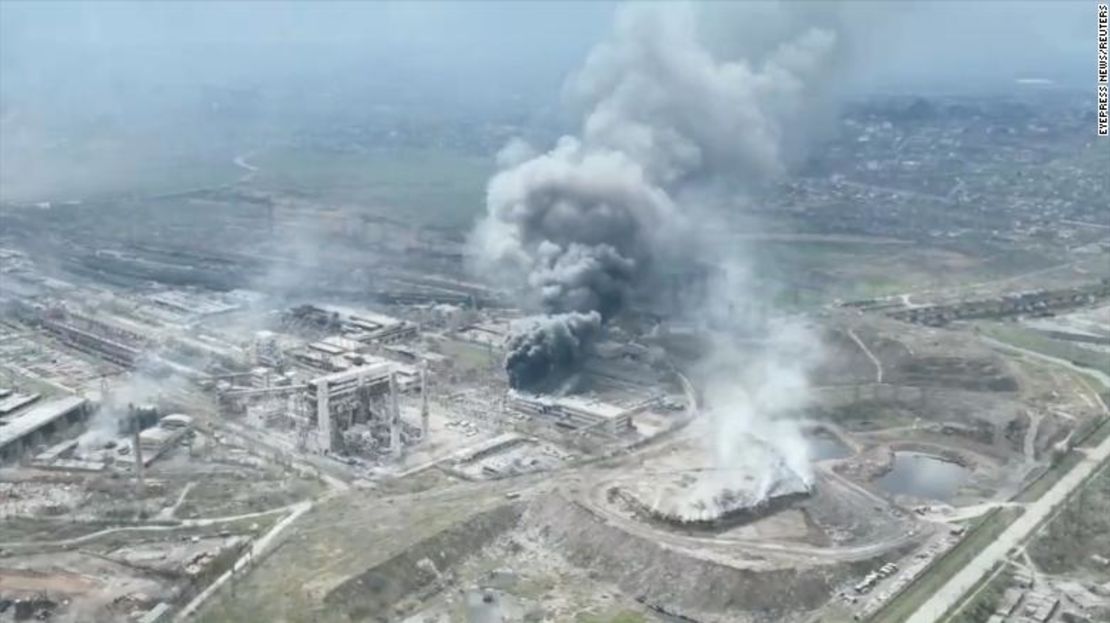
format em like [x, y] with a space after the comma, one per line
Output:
[146, 76]
[91, 50]
[97, 49]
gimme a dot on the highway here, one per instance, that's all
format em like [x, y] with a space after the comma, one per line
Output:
[959, 584]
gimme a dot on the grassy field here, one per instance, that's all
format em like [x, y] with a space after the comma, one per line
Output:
[92, 175]
[469, 356]
[425, 186]
[1063, 349]
[1080, 531]
[1086, 437]
[868, 414]
[28, 384]
[1066, 543]
[220, 496]
[985, 530]
[1044, 482]
[851, 269]
[988, 594]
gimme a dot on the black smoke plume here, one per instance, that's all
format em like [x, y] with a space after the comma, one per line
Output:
[546, 349]
[580, 227]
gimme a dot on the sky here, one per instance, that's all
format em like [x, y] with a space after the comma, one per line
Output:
[101, 52]
[156, 67]
[97, 52]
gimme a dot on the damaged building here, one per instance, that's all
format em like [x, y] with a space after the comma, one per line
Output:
[356, 412]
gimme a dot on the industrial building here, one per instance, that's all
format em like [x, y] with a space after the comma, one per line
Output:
[576, 412]
[94, 336]
[13, 401]
[30, 428]
[356, 410]
[362, 326]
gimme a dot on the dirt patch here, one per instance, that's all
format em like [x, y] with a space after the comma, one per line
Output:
[375, 594]
[658, 575]
[34, 582]
[975, 374]
[843, 362]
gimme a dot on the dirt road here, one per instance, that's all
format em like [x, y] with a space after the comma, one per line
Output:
[870, 355]
[1098, 375]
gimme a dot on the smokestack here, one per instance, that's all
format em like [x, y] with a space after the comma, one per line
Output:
[137, 453]
[424, 400]
[394, 418]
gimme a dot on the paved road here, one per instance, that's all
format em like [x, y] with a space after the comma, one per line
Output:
[959, 584]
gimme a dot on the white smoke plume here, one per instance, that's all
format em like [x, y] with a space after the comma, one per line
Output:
[751, 391]
[667, 116]
[656, 93]
[137, 388]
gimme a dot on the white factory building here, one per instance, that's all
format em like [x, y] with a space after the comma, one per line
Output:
[576, 412]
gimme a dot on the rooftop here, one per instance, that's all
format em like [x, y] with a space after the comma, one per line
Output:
[38, 417]
[582, 404]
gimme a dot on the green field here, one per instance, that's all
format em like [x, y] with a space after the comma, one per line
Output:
[425, 186]
[1081, 530]
[850, 268]
[468, 356]
[90, 175]
[1044, 482]
[18, 381]
[1062, 349]
[988, 594]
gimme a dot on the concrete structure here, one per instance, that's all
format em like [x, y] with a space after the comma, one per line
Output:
[13, 402]
[345, 396]
[176, 420]
[267, 352]
[95, 337]
[576, 412]
[362, 326]
[193, 303]
[28, 429]
[424, 401]
[380, 329]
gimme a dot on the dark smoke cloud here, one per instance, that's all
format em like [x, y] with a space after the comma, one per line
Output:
[547, 349]
[577, 229]
[574, 218]
[582, 278]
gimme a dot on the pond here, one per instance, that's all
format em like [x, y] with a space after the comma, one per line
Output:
[923, 476]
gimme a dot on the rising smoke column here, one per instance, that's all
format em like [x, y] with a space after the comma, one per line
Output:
[576, 230]
[580, 227]
[549, 348]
